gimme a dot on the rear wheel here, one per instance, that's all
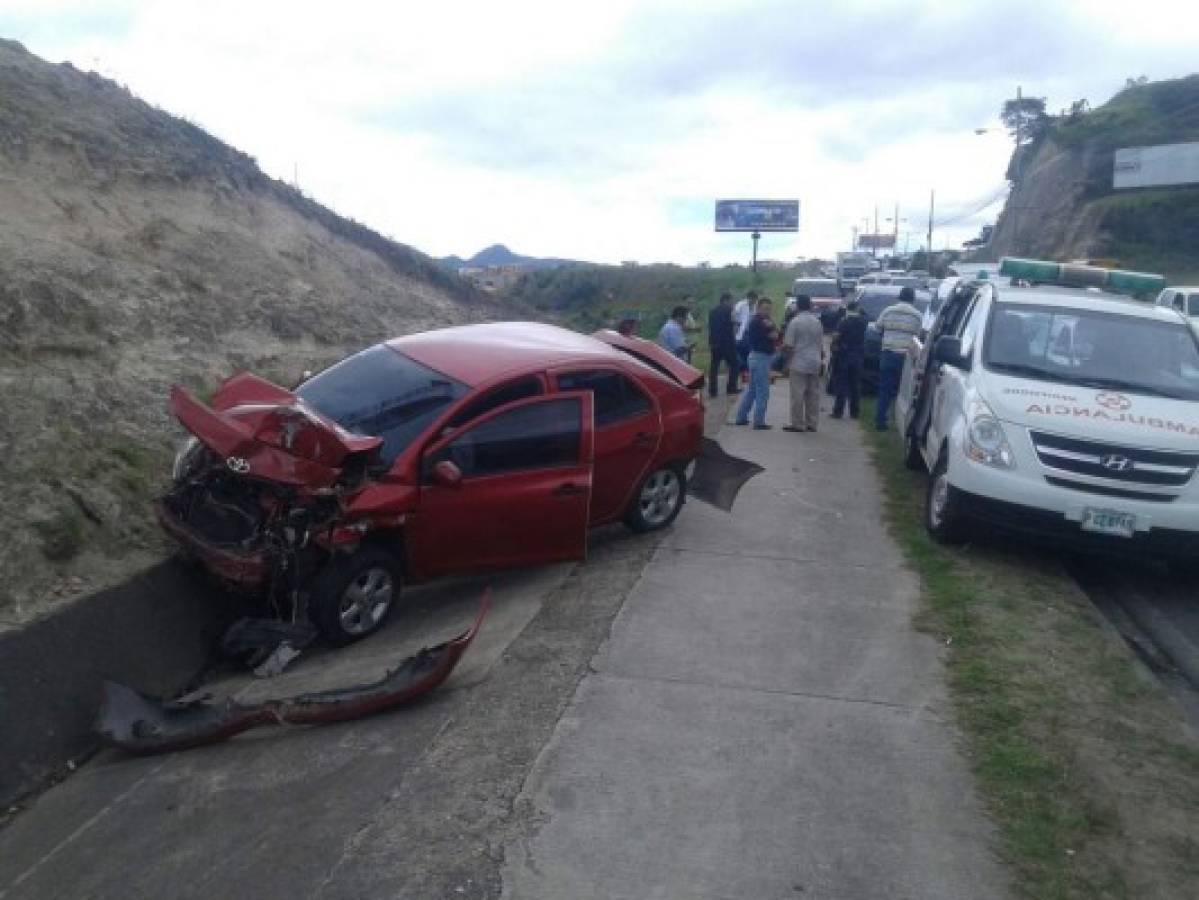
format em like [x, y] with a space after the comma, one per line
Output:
[353, 595]
[943, 515]
[912, 457]
[658, 499]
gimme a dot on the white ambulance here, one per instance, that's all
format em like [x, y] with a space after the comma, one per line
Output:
[1058, 410]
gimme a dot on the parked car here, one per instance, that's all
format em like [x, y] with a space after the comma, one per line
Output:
[826, 298]
[873, 299]
[478, 447]
[1183, 299]
[1060, 413]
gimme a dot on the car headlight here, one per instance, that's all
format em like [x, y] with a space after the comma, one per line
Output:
[183, 459]
[985, 441]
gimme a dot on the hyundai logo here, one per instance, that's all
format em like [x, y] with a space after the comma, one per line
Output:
[238, 465]
[1116, 463]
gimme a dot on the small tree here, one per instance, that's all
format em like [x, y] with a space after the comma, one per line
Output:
[1025, 118]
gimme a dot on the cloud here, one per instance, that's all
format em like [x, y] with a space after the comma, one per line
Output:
[605, 130]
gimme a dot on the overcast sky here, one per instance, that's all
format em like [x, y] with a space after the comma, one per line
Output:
[605, 130]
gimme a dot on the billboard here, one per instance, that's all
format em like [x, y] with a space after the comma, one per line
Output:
[876, 241]
[1137, 167]
[757, 215]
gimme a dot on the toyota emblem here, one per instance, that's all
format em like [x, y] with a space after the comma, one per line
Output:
[1116, 462]
[238, 465]
[1110, 400]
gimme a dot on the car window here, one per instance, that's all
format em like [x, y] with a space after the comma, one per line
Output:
[529, 386]
[541, 435]
[1193, 305]
[616, 396]
[381, 393]
[815, 289]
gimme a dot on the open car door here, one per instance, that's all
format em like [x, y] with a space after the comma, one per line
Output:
[510, 488]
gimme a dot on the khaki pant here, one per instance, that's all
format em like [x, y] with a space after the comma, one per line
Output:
[805, 399]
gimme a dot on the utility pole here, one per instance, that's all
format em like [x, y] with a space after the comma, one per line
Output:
[874, 243]
[932, 198]
[756, 236]
[895, 240]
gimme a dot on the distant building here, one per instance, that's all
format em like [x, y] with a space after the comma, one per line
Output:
[629, 263]
[703, 265]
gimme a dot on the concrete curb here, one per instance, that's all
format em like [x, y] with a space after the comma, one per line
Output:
[154, 632]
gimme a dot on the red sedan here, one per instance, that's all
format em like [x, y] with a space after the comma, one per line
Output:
[478, 447]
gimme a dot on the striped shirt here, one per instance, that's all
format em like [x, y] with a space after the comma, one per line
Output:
[899, 323]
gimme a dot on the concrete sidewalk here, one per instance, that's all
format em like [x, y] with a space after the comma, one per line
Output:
[763, 721]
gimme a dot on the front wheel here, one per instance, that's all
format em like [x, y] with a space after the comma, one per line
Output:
[943, 515]
[658, 500]
[353, 595]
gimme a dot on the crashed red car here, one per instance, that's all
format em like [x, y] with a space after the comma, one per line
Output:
[479, 447]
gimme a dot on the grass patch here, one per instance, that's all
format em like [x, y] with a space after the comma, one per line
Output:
[63, 535]
[1076, 754]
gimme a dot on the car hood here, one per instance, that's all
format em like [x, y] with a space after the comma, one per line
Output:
[1103, 415]
[684, 373]
[262, 430]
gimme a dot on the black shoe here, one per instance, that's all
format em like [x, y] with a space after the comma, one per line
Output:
[853, 415]
[791, 428]
[810, 428]
[734, 392]
[836, 416]
[763, 427]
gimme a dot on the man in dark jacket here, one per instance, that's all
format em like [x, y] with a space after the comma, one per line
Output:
[848, 347]
[722, 340]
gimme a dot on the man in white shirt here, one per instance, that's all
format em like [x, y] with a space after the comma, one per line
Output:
[742, 313]
[899, 323]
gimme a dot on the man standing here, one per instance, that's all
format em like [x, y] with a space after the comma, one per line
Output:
[760, 337]
[803, 344]
[848, 348]
[671, 336]
[898, 323]
[722, 341]
[742, 313]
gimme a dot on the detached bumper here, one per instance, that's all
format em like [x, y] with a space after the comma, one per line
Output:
[245, 571]
[1048, 527]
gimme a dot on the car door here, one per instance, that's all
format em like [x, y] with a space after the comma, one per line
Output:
[949, 397]
[628, 430]
[524, 493]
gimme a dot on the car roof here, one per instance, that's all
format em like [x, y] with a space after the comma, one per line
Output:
[815, 278]
[1049, 295]
[475, 354]
[889, 290]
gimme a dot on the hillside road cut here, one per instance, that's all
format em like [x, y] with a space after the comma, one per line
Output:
[737, 707]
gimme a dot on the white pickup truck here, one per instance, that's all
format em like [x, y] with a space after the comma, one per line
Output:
[1063, 413]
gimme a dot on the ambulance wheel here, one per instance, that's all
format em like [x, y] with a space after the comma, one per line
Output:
[943, 515]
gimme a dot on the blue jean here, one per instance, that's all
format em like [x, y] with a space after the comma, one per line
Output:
[758, 394]
[890, 368]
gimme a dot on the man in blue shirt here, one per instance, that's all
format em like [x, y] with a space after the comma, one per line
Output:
[761, 335]
[672, 337]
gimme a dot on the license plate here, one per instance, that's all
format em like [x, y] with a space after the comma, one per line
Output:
[1108, 521]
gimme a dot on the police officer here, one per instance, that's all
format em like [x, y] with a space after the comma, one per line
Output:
[848, 348]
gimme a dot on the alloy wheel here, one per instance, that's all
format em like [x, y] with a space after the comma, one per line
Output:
[659, 497]
[366, 600]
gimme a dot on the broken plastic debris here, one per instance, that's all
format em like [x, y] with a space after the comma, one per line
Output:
[277, 661]
[140, 724]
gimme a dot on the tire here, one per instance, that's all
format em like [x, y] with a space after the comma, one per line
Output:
[912, 457]
[658, 500]
[943, 515]
[353, 595]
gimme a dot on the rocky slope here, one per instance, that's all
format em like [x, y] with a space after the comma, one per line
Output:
[1062, 204]
[136, 251]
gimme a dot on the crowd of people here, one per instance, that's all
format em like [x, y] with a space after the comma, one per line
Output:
[744, 340]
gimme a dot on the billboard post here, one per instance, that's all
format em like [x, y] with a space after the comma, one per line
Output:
[756, 216]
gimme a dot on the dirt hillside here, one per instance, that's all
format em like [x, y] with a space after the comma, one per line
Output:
[136, 251]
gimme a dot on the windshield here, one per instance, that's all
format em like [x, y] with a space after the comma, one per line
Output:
[816, 289]
[873, 303]
[1094, 349]
[381, 393]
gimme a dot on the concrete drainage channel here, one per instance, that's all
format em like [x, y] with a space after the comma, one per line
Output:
[1157, 615]
[156, 631]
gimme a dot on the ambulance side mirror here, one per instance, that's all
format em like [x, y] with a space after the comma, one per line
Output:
[948, 350]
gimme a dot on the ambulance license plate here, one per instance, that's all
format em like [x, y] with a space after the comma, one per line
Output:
[1109, 521]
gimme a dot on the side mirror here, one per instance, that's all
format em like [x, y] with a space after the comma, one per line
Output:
[948, 350]
[447, 474]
